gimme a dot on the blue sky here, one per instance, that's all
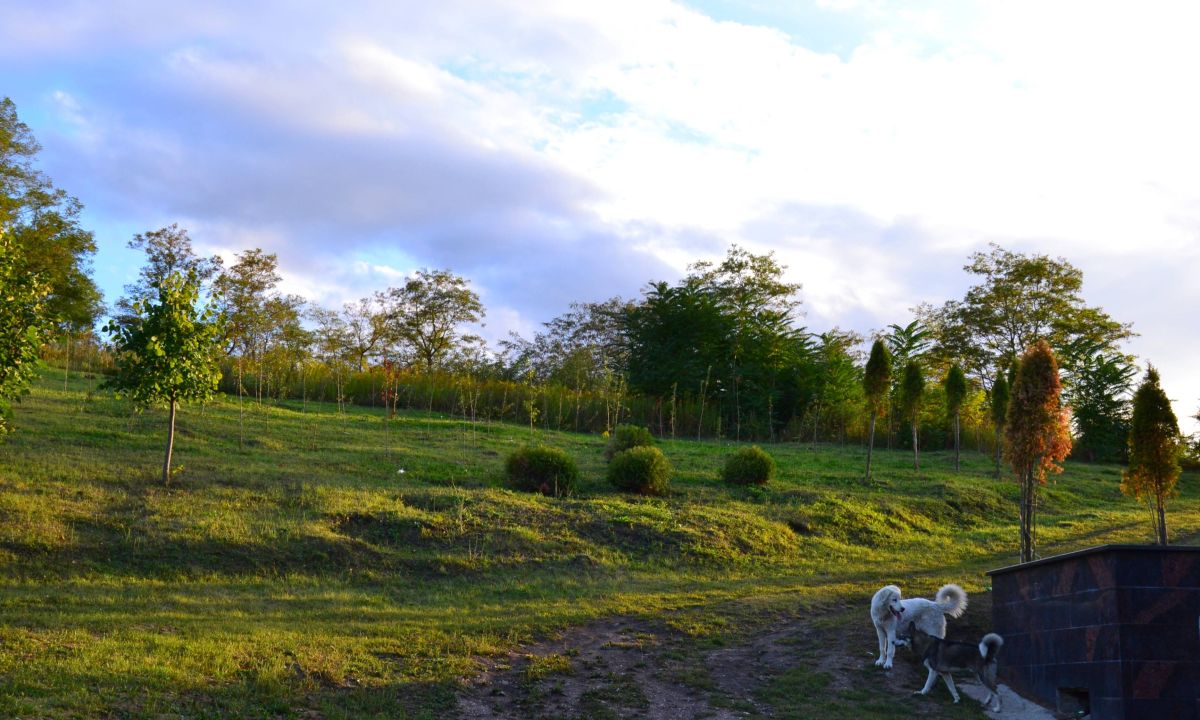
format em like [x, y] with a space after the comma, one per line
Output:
[558, 151]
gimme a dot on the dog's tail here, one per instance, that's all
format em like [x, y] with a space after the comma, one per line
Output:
[952, 600]
[989, 646]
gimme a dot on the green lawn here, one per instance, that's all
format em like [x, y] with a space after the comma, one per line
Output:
[353, 566]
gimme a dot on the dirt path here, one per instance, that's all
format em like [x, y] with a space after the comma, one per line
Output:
[628, 668]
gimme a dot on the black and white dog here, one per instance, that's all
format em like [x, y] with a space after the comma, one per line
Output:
[945, 656]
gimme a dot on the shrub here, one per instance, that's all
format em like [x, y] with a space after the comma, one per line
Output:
[547, 470]
[749, 466]
[625, 437]
[642, 470]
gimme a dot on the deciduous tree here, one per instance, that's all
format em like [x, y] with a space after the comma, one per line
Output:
[42, 224]
[23, 326]
[1038, 432]
[1154, 448]
[1019, 300]
[429, 314]
[170, 355]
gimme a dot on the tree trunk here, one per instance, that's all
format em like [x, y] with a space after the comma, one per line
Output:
[1162, 522]
[999, 439]
[870, 445]
[166, 471]
[1027, 507]
[916, 450]
[957, 441]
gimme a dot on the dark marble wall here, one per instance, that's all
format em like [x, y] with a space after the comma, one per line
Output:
[1121, 622]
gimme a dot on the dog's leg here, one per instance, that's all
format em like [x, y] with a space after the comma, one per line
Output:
[950, 684]
[929, 681]
[989, 681]
[891, 646]
[883, 646]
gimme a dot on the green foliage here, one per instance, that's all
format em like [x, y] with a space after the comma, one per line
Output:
[624, 437]
[956, 389]
[170, 353]
[727, 333]
[877, 378]
[912, 390]
[642, 470]
[42, 223]
[23, 326]
[1098, 386]
[999, 400]
[1154, 450]
[749, 466]
[548, 470]
[427, 313]
[1020, 299]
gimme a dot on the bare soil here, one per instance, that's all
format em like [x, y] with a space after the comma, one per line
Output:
[632, 668]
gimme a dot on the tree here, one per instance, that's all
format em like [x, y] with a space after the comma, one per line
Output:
[42, 223]
[838, 390]
[428, 314]
[168, 250]
[1020, 300]
[726, 331]
[1038, 432]
[956, 392]
[23, 327]
[1098, 386]
[170, 354]
[877, 381]
[1154, 448]
[243, 291]
[999, 403]
[912, 395]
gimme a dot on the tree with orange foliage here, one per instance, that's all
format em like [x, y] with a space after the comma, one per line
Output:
[1153, 451]
[1037, 432]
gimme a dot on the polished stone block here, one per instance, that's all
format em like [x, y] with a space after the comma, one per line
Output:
[1119, 624]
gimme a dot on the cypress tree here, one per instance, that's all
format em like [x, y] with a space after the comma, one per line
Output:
[1153, 451]
[1038, 432]
[956, 392]
[999, 399]
[912, 392]
[877, 381]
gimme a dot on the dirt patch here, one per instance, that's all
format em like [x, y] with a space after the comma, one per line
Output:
[631, 668]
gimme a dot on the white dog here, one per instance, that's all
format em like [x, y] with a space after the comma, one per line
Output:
[889, 612]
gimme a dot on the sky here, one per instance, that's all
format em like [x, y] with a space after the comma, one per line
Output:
[552, 151]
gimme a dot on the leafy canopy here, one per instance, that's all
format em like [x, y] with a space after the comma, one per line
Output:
[171, 354]
[42, 223]
[23, 326]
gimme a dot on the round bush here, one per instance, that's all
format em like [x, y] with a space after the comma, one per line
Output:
[642, 470]
[749, 466]
[547, 470]
[625, 437]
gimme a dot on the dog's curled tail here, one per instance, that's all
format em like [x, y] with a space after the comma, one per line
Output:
[989, 646]
[952, 600]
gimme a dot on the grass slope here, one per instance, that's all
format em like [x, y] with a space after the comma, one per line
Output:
[342, 566]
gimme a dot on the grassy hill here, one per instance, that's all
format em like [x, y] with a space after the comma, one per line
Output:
[334, 565]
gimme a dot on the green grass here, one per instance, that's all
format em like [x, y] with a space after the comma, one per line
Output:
[299, 573]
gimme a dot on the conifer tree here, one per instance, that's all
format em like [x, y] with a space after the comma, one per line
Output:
[956, 392]
[1037, 432]
[999, 398]
[1153, 451]
[877, 381]
[912, 394]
